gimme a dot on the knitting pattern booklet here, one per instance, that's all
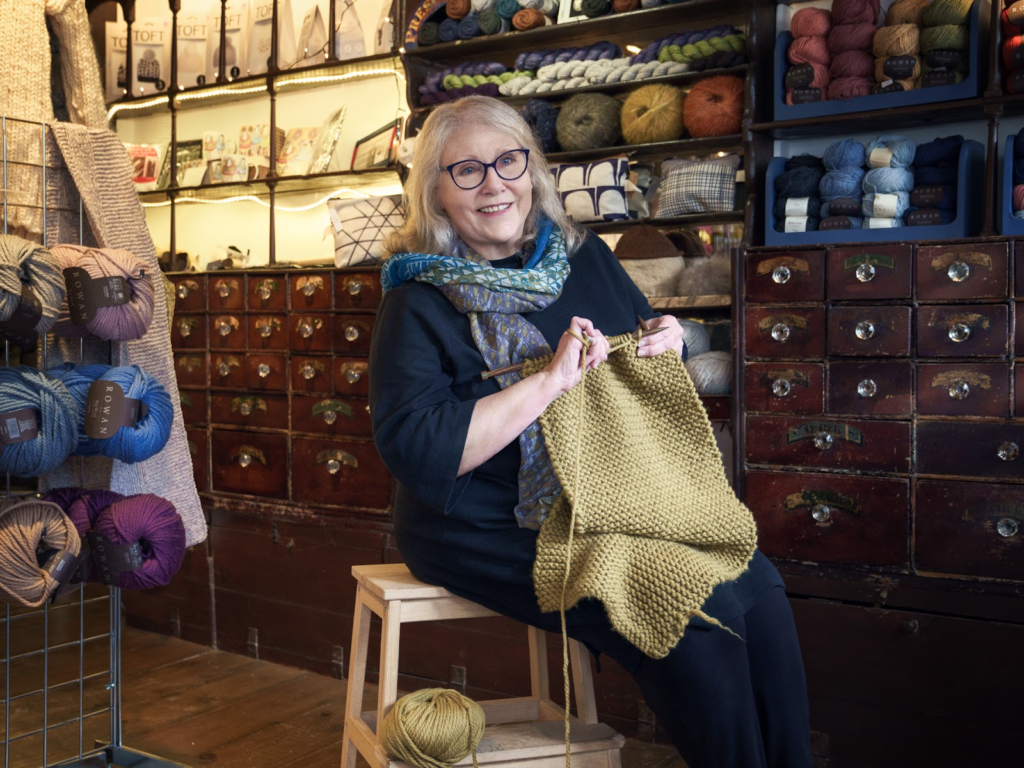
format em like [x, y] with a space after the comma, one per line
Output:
[193, 33]
[261, 34]
[117, 51]
[151, 52]
[235, 49]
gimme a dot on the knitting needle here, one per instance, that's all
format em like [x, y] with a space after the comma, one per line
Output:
[519, 366]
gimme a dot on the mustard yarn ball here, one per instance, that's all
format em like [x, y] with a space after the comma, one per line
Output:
[433, 728]
[653, 113]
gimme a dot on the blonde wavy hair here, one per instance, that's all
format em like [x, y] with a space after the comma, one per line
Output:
[427, 228]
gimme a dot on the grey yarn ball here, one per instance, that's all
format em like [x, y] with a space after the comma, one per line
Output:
[711, 373]
[696, 338]
[588, 121]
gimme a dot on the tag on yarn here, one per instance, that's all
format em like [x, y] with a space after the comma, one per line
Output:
[880, 157]
[844, 206]
[924, 217]
[18, 426]
[885, 205]
[899, 67]
[887, 86]
[796, 224]
[939, 59]
[86, 294]
[928, 196]
[107, 410]
[20, 327]
[879, 222]
[797, 206]
[799, 76]
[61, 566]
[806, 95]
[835, 222]
[1015, 14]
[110, 559]
[938, 77]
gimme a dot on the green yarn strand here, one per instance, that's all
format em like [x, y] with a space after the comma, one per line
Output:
[702, 49]
[474, 81]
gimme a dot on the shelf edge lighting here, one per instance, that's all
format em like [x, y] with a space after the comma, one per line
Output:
[253, 199]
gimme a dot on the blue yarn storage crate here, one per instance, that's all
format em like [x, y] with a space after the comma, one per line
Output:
[969, 209]
[970, 88]
[1007, 222]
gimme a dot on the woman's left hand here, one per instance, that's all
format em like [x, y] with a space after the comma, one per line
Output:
[670, 338]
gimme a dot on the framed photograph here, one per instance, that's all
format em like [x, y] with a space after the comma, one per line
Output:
[570, 10]
[377, 149]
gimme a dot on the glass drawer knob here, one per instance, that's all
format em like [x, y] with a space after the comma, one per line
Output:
[224, 329]
[263, 370]
[959, 332]
[959, 390]
[308, 371]
[781, 275]
[223, 368]
[306, 330]
[334, 466]
[330, 417]
[781, 387]
[245, 409]
[182, 291]
[185, 328]
[821, 513]
[1008, 451]
[867, 388]
[865, 273]
[308, 289]
[354, 288]
[780, 332]
[865, 330]
[224, 291]
[823, 441]
[958, 271]
[1007, 527]
[264, 292]
[244, 460]
[351, 333]
[352, 375]
[266, 330]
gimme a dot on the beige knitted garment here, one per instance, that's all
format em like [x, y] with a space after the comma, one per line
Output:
[657, 525]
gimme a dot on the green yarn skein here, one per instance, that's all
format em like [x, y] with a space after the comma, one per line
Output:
[702, 48]
[459, 81]
[947, 37]
[433, 728]
[941, 12]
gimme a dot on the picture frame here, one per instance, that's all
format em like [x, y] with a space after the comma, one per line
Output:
[377, 149]
[568, 12]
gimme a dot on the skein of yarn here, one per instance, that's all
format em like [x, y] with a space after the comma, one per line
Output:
[936, 174]
[855, 11]
[891, 152]
[888, 180]
[850, 37]
[82, 505]
[1018, 197]
[588, 121]
[541, 116]
[948, 37]
[78, 380]
[26, 265]
[433, 728]
[653, 113]
[811, 22]
[798, 182]
[154, 525]
[943, 12]
[898, 40]
[906, 12]
[842, 182]
[42, 406]
[805, 50]
[695, 338]
[891, 205]
[711, 373]
[27, 526]
[853, 64]
[845, 153]
[849, 88]
[714, 106]
[945, 150]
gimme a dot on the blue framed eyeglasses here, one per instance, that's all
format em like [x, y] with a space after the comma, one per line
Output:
[470, 174]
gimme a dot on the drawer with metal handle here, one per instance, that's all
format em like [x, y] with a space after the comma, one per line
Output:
[870, 389]
[227, 370]
[311, 374]
[869, 331]
[978, 330]
[970, 529]
[189, 293]
[266, 372]
[310, 291]
[965, 449]
[830, 519]
[191, 369]
[226, 293]
[352, 334]
[870, 272]
[266, 292]
[309, 333]
[798, 276]
[193, 406]
[339, 472]
[331, 416]
[227, 332]
[774, 388]
[350, 376]
[785, 332]
[268, 332]
[829, 443]
[249, 462]
[357, 290]
[963, 389]
[962, 272]
[188, 332]
[199, 452]
[246, 410]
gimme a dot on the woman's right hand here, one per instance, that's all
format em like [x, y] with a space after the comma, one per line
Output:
[564, 368]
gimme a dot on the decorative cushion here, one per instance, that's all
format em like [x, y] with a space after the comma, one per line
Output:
[360, 227]
[696, 187]
[593, 191]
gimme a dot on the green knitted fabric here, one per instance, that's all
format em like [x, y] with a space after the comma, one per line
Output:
[657, 525]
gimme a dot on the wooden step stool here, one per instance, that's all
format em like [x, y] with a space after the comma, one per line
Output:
[522, 729]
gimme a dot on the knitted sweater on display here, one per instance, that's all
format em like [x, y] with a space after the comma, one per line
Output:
[657, 525]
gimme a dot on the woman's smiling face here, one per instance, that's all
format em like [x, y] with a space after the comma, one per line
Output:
[491, 217]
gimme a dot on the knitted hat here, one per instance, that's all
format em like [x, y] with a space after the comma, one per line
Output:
[687, 242]
[645, 242]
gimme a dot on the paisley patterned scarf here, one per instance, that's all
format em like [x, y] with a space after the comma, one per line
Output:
[494, 300]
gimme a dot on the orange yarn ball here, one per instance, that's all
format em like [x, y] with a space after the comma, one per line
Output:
[714, 107]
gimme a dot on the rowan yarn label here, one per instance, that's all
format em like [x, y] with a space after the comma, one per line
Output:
[18, 426]
[87, 294]
[844, 206]
[796, 224]
[1016, 82]
[806, 95]
[61, 566]
[835, 222]
[107, 410]
[799, 76]
[900, 67]
[193, 32]
[885, 205]
[889, 86]
[880, 157]
[948, 59]
[937, 77]
[797, 206]
[924, 217]
[19, 328]
[1015, 14]
[111, 560]
[928, 196]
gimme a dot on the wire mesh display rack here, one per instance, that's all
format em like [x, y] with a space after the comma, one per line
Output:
[60, 664]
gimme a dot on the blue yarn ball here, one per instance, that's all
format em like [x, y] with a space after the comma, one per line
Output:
[847, 153]
[945, 150]
[844, 182]
[449, 30]
[150, 434]
[25, 387]
[867, 204]
[936, 174]
[541, 116]
[78, 381]
[901, 147]
[888, 180]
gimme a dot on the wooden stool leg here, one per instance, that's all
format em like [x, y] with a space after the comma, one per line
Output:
[389, 638]
[356, 677]
[539, 688]
[583, 682]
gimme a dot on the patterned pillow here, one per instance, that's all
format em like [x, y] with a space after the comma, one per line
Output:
[695, 187]
[593, 191]
[360, 227]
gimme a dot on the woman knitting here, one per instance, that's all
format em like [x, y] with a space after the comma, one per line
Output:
[487, 272]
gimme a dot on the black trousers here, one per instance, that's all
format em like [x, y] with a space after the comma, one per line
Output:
[727, 703]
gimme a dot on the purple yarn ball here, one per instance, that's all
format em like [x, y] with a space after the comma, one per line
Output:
[154, 523]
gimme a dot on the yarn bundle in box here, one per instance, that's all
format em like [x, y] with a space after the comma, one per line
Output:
[1017, 201]
[797, 204]
[840, 187]
[1012, 23]
[936, 168]
[809, 77]
[888, 183]
[850, 44]
[945, 42]
[897, 47]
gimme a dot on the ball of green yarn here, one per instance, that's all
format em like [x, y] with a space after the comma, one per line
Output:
[653, 113]
[433, 728]
[948, 37]
[946, 12]
[588, 121]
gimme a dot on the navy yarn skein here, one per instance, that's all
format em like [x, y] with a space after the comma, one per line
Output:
[541, 116]
[940, 151]
[813, 207]
[934, 174]
[890, 180]
[803, 161]
[842, 182]
[799, 182]
[847, 153]
[25, 387]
